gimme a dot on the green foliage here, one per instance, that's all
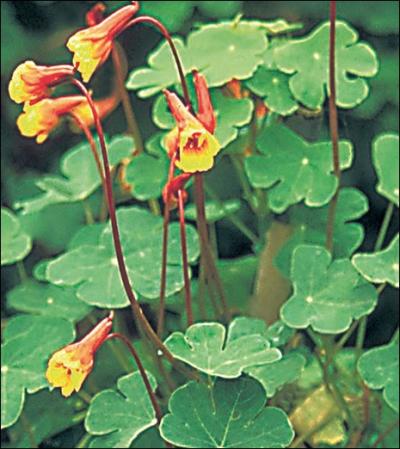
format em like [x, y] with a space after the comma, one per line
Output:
[47, 300]
[385, 153]
[80, 176]
[379, 368]
[327, 295]
[295, 330]
[293, 169]
[229, 414]
[28, 343]
[310, 227]
[15, 243]
[94, 268]
[307, 59]
[147, 176]
[277, 374]
[116, 418]
[381, 266]
[206, 347]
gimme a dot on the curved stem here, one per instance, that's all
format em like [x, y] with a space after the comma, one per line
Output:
[167, 36]
[204, 242]
[188, 295]
[163, 280]
[384, 227]
[164, 256]
[333, 126]
[133, 127]
[142, 371]
[137, 310]
[93, 147]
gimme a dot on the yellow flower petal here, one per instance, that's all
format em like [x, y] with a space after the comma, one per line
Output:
[197, 148]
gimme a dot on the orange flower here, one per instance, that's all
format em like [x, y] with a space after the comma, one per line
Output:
[104, 107]
[170, 191]
[193, 138]
[42, 117]
[92, 46]
[68, 368]
[31, 82]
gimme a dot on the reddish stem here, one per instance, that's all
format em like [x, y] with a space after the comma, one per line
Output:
[137, 310]
[92, 143]
[142, 371]
[167, 36]
[164, 256]
[333, 126]
[204, 241]
[188, 295]
[163, 280]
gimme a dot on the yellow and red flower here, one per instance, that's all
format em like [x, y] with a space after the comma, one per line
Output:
[31, 82]
[68, 368]
[193, 137]
[39, 119]
[92, 46]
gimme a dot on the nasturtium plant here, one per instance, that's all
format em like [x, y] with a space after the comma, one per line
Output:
[231, 115]
[107, 408]
[199, 241]
[385, 153]
[273, 87]
[80, 176]
[15, 243]
[310, 227]
[294, 170]
[93, 269]
[231, 413]
[210, 349]
[379, 368]
[48, 300]
[381, 266]
[306, 59]
[28, 342]
[328, 294]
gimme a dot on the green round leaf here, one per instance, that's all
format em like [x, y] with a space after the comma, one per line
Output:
[293, 169]
[385, 153]
[307, 59]
[310, 227]
[327, 295]
[379, 368]
[47, 413]
[206, 347]
[230, 414]
[48, 300]
[238, 45]
[15, 244]
[161, 72]
[381, 266]
[80, 176]
[94, 269]
[275, 375]
[273, 87]
[118, 417]
[28, 343]
[147, 176]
